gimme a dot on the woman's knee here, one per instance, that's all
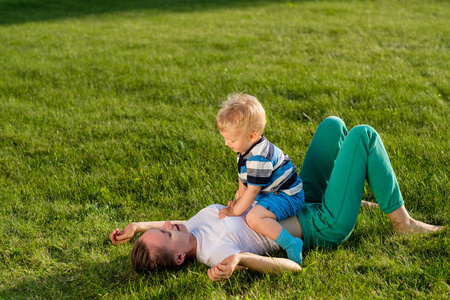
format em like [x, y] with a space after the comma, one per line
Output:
[333, 125]
[365, 134]
[333, 121]
[363, 129]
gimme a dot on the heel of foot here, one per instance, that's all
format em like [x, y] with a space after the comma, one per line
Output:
[415, 227]
[295, 250]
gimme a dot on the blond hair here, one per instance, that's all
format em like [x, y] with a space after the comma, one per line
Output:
[241, 114]
[144, 259]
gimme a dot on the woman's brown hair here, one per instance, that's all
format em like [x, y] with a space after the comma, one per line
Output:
[145, 260]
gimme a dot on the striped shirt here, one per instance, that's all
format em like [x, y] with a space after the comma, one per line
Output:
[267, 166]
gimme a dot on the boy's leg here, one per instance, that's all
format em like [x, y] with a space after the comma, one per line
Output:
[265, 222]
[320, 158]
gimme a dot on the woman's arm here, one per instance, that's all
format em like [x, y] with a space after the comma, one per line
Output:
[255, 262]
[145, 226]
[120, 237]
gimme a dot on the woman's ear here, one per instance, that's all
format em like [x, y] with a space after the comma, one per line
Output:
[179, 259]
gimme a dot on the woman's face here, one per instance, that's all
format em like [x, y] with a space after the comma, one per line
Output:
[173, 237]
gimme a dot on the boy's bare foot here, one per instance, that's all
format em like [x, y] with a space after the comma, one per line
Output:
[369, 204]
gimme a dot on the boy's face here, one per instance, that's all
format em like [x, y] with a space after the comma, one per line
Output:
[239, 143]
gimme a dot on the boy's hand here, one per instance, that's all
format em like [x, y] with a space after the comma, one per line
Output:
[226, 212]
[231, 203]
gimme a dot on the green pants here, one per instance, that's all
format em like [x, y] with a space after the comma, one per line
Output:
[334, 170]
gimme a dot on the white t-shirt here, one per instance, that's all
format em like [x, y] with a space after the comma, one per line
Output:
[217, 239]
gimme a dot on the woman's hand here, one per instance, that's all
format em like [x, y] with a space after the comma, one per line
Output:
[263, 264]
[225, 269]
[121, 237]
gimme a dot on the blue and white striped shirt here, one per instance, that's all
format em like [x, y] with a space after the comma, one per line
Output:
[267, 166]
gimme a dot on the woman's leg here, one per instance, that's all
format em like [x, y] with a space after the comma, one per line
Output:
[320, 158]
[363, 157]
[404, 224]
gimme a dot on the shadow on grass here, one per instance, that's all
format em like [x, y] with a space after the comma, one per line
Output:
[23, 11]
[95, 280]
[116, 278]
[89, 281]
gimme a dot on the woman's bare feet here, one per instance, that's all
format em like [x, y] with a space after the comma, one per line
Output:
[418, 227]
[369, 204]
[404, 224]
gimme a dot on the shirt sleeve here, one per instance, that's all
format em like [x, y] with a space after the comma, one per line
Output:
[259, 170]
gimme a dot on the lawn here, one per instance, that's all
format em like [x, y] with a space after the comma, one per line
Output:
[107, 113]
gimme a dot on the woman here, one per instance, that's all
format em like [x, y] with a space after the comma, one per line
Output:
[334, 170]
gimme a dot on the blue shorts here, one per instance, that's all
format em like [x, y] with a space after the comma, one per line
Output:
[281, 204]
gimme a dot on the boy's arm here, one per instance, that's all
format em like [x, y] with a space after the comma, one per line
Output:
[239, 193]
[252, 261]
[120, 237]
[246, 199]
[242, 204]
[241, 190]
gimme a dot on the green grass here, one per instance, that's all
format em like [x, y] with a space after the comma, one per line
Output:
[107, 116]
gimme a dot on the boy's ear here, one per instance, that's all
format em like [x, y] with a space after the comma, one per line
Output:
[254, 136]
[179, 259]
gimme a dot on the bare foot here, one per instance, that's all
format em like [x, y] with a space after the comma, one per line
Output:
[414, 226]
[404, 224]
[369, 204]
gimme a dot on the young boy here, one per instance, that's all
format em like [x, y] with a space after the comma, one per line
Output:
[265, 173]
